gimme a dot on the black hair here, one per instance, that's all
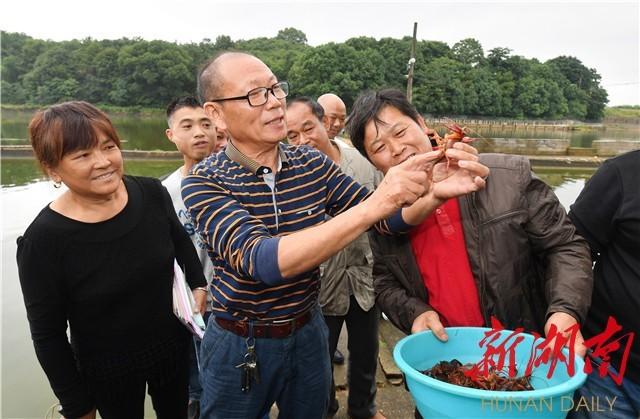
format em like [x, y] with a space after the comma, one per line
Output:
[368, 106]
[64, 128]
[179, 103]
[315, 107]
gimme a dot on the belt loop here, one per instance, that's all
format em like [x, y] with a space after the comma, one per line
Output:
[250, 340]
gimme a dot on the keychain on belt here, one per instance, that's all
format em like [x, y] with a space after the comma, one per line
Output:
[250, 371]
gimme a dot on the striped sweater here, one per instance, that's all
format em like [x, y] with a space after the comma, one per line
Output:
[242, 210]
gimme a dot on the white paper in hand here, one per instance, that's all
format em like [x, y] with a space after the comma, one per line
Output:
[184, 305]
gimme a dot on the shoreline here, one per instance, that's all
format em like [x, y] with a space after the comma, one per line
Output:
[574, 162]
[566, 161]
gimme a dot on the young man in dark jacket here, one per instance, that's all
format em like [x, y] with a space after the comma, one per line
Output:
[508, 251]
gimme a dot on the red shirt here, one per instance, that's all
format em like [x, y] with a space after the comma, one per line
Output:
[439, 248]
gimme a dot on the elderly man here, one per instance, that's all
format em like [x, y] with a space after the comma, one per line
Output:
[261, 205]
[333, 119]
[346, 290]
[335, 114]
[508, 251]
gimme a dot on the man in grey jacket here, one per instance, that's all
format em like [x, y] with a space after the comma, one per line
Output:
[508, 251]
[346, 290]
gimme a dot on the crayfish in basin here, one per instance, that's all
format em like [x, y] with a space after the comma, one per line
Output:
[454, 372]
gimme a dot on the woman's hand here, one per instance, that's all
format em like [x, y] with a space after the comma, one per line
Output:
[200, 295]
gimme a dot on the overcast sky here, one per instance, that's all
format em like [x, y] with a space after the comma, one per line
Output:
[603, 35]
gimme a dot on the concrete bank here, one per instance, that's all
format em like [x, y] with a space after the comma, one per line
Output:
[25, 152]
[555, 147]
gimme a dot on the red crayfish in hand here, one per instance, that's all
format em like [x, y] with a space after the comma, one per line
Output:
[456, 133]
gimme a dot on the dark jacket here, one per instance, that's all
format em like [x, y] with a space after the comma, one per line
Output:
[607, 214]
[525, 256]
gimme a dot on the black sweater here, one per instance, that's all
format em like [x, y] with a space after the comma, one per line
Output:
[607, 214]
[111, 281]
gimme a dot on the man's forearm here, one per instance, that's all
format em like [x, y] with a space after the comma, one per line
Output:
[416, 213]
[305, 250]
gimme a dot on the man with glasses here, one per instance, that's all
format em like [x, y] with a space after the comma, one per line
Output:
[335, 114]
[261, 207]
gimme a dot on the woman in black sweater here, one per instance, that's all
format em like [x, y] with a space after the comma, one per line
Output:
[100, 259]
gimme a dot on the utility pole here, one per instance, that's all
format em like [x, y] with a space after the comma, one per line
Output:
[411, 63]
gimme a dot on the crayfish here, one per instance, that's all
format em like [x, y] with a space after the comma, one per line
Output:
[456, 133]
[454, 373]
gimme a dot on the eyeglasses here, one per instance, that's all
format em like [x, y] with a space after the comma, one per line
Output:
[260, 95]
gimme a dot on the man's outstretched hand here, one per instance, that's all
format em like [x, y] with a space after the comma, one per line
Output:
[459, 173]
[403, 185]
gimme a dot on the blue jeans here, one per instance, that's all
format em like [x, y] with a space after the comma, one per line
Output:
[295, 373]
[602, 390]
[195, 389]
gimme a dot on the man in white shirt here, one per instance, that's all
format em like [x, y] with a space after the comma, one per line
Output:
[194, 135]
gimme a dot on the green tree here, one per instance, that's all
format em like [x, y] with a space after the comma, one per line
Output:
[13, 92]
[597, 98]
[507, 88]
[488, 93]
[18, 53]
[53, 76]
[278, 54]
[293, 35]
[497, 56]
[448, 80]
[337, 68]
[468, 52]
[154, 72]
[585, 79]
[426, 51]
[438, 89]
[539, 96]
[57, 90]
[224, 42]
[396, 53]
[362, 43]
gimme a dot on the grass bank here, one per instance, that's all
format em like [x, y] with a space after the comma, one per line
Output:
[622, 115]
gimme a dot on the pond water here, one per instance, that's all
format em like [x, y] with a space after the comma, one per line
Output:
[25, 390]
[147, 133]
[136, 133]
[17, 172]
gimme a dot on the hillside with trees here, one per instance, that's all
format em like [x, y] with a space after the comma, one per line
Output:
[461, 79]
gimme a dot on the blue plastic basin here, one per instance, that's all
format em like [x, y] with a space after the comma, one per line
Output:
[551, 397]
